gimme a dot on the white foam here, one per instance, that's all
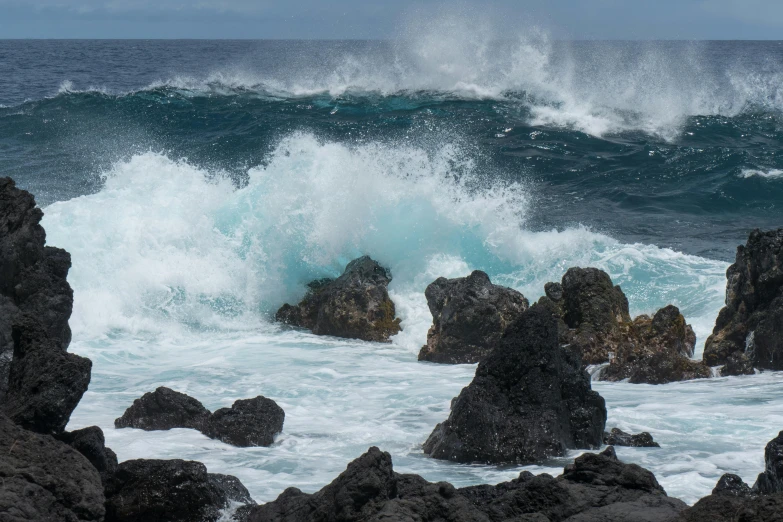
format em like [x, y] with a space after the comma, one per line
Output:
[769, 174]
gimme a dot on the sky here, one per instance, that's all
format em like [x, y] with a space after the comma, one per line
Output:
[372, 19]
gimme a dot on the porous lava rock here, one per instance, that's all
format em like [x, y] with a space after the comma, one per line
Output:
[356, 305]
[617, 437]
[594, 488]
[248, 422]
[752, 320]
[91, 443]
[771, 480]
[45, 480]
[737, 363]
[529, 400]
[164, 409]
[469, 316]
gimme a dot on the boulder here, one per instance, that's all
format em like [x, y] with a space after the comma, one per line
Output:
[617, 437]
[248, 422]
[356, 305]
[91, 443]
[594, 488]
[752, 320]
[168, 491]
[469, 316]
[737, 363]
[529, 400]
[43, 479]
[164, 409]
[771, 480]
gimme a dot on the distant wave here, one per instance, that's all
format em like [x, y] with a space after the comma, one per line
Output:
[769, 174]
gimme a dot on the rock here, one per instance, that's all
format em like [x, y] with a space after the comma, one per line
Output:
[234, 490]
[45, 383]
[737, 363]
[732, 485]
[42, 479]
[530, 400]
[771, 480]
[356, 305]
[249, 422]
[164, 409]
[594, 488]
[167, 491]
[469, 316]
[752, 320]
[618, 437]
[91, 443]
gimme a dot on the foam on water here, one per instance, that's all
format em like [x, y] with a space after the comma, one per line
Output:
[768, 174]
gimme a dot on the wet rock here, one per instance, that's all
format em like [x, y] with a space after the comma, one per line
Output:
[737, 363]
[617, 437]
[42, 479]
[167, 491]
[249, 422]
[771, 480]
[594, 488]
[91, 443]
[469, 316]
[356, 305]
[164, 409]
[234, 490]
[732, 485]
[752, 320]
[530, 400]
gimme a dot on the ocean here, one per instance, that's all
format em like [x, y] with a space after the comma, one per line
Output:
[199, 185]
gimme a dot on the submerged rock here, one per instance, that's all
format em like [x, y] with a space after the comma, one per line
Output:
[530, 400]
[164, 409]
[356, 305]
[469, 316]
[168, 491]
[595, 487]
[91, 443]
[248, 422]
[42, 479]
[617, 437]
[751, 323]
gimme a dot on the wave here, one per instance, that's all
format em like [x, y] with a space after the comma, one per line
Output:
[768, 174]
[167, 247]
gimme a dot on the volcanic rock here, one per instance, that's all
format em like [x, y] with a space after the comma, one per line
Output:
[752, 320]
[248, 422]
[469, 316]
[164, 409]
[617, 437]
[91, 443]
[771, 480]
[530, 400]
[42, 479]
[737, 363]
[356, 305]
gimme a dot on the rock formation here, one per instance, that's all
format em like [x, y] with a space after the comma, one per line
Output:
[164, 409]
[595, 487]
[771, 480]
[469, 316]
[617, 437]
[530, 400]
[91, 443]
[751, 323]
[356, 305]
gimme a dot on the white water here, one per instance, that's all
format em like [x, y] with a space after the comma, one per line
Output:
[176, 272]
[768, 174]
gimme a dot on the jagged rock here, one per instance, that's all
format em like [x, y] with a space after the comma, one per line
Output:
[248, 422]
[733, 485]
[356, 305]
[91, 443]
[234, 489]
[594, 488]
[168, 491]
[45, 383]
[771, 480]
[164, 409]
[530, 400]
[752, 320]
[469, 316]
[42, 479]
[737, 363]
[617, 437]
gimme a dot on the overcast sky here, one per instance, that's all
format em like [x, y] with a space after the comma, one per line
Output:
[570, 19]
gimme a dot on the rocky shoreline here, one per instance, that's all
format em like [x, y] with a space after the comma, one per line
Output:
[530, 400]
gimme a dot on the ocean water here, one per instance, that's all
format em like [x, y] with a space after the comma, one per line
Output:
[199, 185]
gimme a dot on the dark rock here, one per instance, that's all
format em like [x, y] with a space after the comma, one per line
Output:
[249, 422]
[234, 490]
[752, 320]
[732, 485]
[771, 480]
[356, 305]
[164, 409]
[469, 316]
[737, 363]
[91, 443]
[530, 400]
[618, 437]
[166, 491]
[45, 383]
[42, 479]
[594, 488]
